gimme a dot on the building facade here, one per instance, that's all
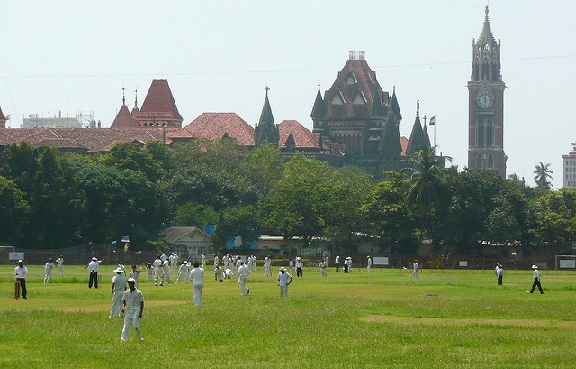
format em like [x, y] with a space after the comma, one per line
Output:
[486, 105]
[569, 168]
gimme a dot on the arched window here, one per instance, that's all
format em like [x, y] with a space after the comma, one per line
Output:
[490, 162]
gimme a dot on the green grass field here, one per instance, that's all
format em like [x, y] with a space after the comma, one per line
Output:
[446, 319]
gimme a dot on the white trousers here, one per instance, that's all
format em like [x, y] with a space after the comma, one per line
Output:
[197, 293]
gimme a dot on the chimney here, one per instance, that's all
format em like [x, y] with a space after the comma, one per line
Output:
[361, 55]
[351, 55]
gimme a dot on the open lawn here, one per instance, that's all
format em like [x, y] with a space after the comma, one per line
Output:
[446, 319]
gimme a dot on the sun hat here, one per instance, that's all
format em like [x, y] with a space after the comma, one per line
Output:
[118, 270]
[282, 269]
[131, 280]
[534, 266]
[94, 258]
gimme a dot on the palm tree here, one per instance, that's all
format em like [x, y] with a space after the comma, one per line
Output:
[542, 172]
[426, 180]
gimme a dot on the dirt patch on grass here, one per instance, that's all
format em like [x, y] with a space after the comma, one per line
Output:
[469, 321]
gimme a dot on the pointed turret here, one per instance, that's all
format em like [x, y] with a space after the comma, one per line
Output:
[486, 54]
[319, 109]
[124, 119]
[266, 130]
[377, 106]
[159, 107]
[135, 109]
[2, 119]
[418, 138]
[394, 104]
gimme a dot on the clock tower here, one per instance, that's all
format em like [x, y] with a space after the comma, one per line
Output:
[486, 105]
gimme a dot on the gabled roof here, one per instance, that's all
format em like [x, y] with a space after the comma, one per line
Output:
[303, 138]
[89, 140]
[214, 126]
[2, 117]
[363, 83]
[159, 103]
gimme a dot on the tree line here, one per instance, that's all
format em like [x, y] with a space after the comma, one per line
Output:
[50, 200]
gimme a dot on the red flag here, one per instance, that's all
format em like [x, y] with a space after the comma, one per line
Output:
[8, 117]
[433, 121]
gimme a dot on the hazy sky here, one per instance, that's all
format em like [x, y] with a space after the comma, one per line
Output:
[218, 56]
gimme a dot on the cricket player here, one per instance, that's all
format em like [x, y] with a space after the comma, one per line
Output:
[132, 307]
[197, 276]
[118, 288]
[48, 271]
[242, 278]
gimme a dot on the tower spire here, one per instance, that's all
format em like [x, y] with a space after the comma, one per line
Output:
[123, 98]
[136, 99]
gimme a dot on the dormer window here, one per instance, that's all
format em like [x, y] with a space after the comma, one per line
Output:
[351, 79]
[338, 99]
[359, 99]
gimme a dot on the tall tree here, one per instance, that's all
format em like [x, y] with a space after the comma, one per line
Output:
[14, 210]
[543, 175]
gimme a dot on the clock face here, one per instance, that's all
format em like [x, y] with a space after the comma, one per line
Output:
[485, 100]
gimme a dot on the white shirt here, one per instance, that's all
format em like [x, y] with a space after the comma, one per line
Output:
[93, 266]
[243, 271]
[133, 299]
[49, 266]
[337, 259]
[283, 278]
[60, 261]
[197, 275]
[536, 274]
[119, 282]
[20, 272]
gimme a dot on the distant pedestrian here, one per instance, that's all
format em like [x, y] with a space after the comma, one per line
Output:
[20, 272]
[536, 283]
[267, 267]
[323, 268]
[93, 267]
[60, 262]
[299, 265]
[132, 307]
[284, 279]
[48, 271]
[242, 278]
[197, 276]
[135, 273]
[499, 273]
[369, 265]
[149, 271]
[337, 262]
[415, 267]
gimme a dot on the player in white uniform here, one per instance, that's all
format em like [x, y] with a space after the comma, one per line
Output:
[132, 307]
[48, 271]
[118, 288]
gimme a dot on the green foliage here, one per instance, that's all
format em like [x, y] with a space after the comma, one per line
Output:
[555, 220]
[543, 175]
[191, 214]
[14, 212]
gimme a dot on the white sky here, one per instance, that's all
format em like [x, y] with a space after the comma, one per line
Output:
[72, 56]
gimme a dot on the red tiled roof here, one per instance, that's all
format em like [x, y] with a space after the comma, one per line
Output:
[82, 139]
[404, 145]
[124, 119]
[214, 126]
[303, 138]
[159, 103]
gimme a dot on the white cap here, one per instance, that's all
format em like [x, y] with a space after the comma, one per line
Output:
[131, 280]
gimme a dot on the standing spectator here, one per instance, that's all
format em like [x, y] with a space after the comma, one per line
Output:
[149, 271]
[536, 281]
[48, 271]
[158, 271]
[242, 278]
[60, 262]
[118, 288]
[267, 267]
[369, 264]
[415, 268]
[337, 262]
[93, 267]
[197, 276]
[299, 266]
[20, 272]
[132, 307]
[499, 273]
[283, 280]
[135, 274]
[323, 268]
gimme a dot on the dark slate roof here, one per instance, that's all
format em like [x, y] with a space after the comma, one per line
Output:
[417, 137]
[319, 108]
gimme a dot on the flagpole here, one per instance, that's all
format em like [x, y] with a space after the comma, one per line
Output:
[434, 135]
